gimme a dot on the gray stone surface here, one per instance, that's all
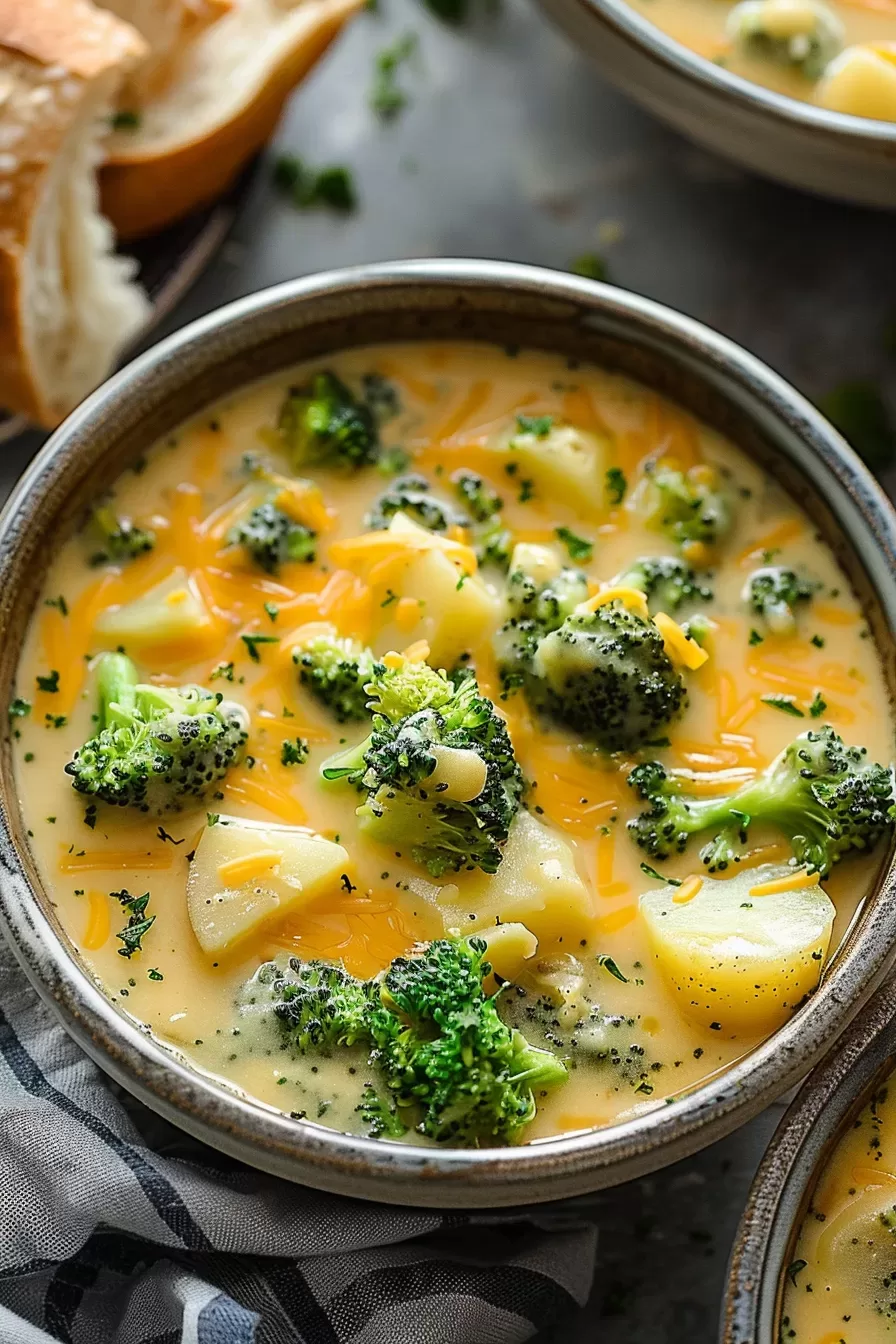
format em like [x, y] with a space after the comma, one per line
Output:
[512, 147]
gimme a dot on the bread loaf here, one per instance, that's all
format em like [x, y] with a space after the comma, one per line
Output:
[67, 304]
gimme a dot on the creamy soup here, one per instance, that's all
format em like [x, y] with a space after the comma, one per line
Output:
[840, 1286]
[841, 56]
[609, 584]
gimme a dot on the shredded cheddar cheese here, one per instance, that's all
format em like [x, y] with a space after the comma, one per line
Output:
[690, 887]
[99, 924]
[679, 646]
[243, 869]
[632, 598]
[403, 546]
[794, 882]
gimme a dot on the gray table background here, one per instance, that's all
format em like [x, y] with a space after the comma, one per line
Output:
[512, 147]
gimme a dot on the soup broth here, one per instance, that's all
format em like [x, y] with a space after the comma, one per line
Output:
[573, 454]
[841, 56]
[840, 1282]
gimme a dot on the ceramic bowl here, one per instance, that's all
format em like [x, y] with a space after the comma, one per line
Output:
[469, 300]
[849, 158]
[823, 1110]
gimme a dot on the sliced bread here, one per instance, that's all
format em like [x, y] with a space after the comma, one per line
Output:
[222, 102]
[167, 27]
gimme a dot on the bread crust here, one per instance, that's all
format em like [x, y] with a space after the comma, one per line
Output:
[143, 192]
[52, 53]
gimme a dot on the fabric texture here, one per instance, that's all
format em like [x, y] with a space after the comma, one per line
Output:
[116, 1228]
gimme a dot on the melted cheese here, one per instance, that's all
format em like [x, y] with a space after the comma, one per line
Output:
[454, 401]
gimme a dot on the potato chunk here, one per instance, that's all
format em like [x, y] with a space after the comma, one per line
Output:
[453, 610]
[536, 884]
[172, 612]
[247, 872]
[743, 960]
[565, 463]
[862, 82]
[509, 946]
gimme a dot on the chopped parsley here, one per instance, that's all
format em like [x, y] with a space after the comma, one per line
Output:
[19, 708]
[58, 602]
[755, 638]
[818, 706]
[387, 98]
[539, 426]
[49, 683]
[785, 703]
[579, 548]
[224, 670]
[616, 484]
[658, 877]
[138, 925]
[332, 187]
[163, 835]
[794, 1268]
[609, 965]
[126, 120]
[252, 642]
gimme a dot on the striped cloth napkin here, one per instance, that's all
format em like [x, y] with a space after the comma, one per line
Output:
[115, 1228]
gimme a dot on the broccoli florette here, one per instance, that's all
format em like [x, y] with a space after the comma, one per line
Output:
[492, 541]
[827, 798]
[271, 538]
[411, 495]
[539, 595]
[157, 747]
[801, 34]
[336, 670]
[606, 674]
[318, 1005]
[667, 582]
[479, 499]
[324, 424]
[438, 769]
[119, 538]
[690, 507]
[449, 1065]
[774, 592]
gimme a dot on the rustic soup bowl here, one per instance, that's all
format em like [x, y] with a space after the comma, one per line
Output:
[824, 1109]
[849, 158]
[469, 300]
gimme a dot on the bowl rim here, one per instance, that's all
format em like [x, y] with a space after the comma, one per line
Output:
[810, 1129]
[549, 1169]
[637, 29]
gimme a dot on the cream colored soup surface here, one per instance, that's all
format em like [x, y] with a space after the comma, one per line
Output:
[841, 55]
[839, 1287]
[453, 399]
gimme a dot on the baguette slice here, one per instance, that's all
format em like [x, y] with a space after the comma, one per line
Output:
[167, 26]
[220, 108]
[67, 304]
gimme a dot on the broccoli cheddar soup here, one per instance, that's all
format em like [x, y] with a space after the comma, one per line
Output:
[840, 55]
[840, 1285]
[452, 744]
